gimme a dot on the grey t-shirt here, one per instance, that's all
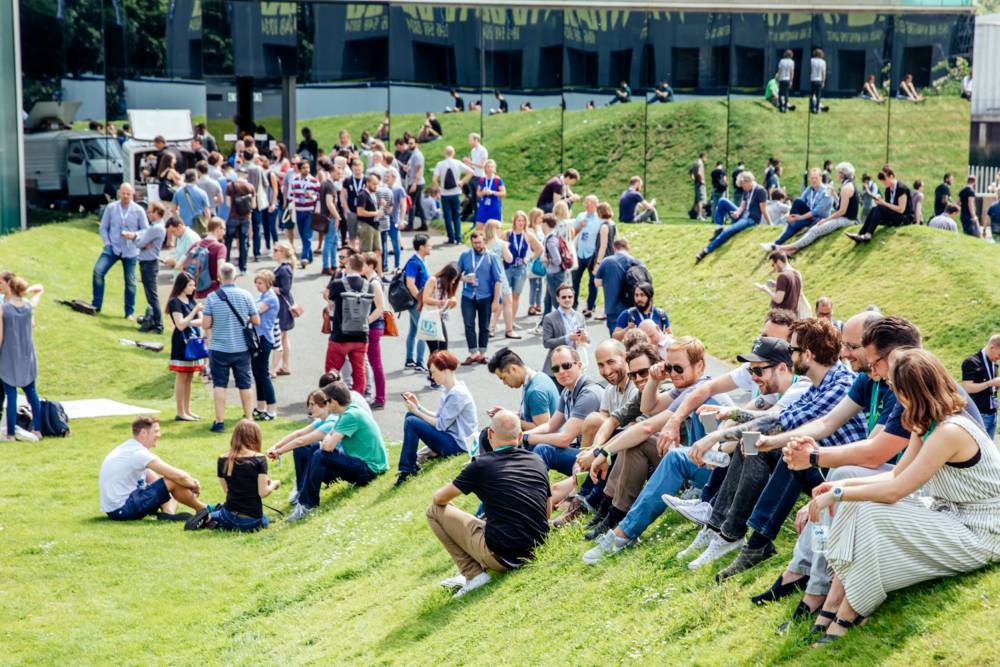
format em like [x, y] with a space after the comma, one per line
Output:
[613, 399]
[588, 399]
[785, 68]
[817, 69]
[416, 162]
[212, 189]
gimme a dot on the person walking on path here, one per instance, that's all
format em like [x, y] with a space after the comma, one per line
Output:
[482, 283]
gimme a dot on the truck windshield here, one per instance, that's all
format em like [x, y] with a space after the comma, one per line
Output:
[104, 148]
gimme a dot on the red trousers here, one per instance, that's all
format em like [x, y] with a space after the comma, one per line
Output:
[336, 353]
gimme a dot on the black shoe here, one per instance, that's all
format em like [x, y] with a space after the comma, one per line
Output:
[218, 427]
[596, 519]
[747, 559]
[179, 516]
[598, 530]
[715, 234]
[801, 612]
[420, 368]
[700, 256]
[779, 590]
[402, 477]
[198, 521]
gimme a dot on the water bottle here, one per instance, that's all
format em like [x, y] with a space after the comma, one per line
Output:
[716, 458]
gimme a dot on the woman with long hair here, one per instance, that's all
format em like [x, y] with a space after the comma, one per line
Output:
[439, 292]
[284, 254]
[170, 179]
[376, 327]
[269, 215]
[242, 473]
[268, 308]
[882, 539]
[185, 315]
[490, 192]
[535, 276]
[18, 359]
[523, 246]
[496, 245]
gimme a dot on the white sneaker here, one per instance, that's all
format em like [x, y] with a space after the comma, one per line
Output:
[690, 493]
[701, 541]
[768, 247]
[300, 512]
[699, 512]
[477, 581]
[24, 436]
[454, 583]
[607, 545]
[716, 550]
[293, 497]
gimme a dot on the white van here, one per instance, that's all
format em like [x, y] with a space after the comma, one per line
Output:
[174, 125]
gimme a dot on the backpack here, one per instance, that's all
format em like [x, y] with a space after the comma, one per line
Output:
[449, 179]
[400, 299]
[54, 419]
[634, 276]
[355, 308]
[198, 264]
[565, 256]
[242, 203]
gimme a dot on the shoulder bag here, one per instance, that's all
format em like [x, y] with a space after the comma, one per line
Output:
[249, 331]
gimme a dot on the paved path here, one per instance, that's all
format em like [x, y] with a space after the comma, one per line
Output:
[309, 349]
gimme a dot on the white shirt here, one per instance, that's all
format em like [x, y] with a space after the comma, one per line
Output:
[479, 155]
[123, 471]
[817, 69]
[454, 166]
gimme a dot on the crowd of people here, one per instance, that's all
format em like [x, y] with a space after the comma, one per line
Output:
[896, 458]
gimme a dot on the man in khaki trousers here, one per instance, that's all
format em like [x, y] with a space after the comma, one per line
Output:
[513, 485]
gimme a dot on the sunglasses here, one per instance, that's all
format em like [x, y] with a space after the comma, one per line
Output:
[795, 348]
[675, 369]
[641, 373]
[759, 371]
[565, 366]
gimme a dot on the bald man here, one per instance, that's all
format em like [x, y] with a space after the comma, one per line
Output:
[450, 176]
[121, 219]
[513, 486]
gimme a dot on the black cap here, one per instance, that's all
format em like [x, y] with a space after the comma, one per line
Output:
[768, 349]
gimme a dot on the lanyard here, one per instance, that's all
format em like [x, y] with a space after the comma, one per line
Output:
[358, 182]
[989, 365]
[875, 407]
[518, 247]
[503, 449]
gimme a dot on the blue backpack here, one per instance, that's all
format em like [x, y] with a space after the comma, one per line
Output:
[198, 265]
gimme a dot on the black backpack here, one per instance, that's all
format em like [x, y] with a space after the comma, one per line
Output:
[54, 421]
[400, 298]
[242, 203]
[449, 179]
[634, 276]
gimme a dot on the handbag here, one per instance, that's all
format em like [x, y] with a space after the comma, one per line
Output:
[288, 215]
[429, 327]
[198, 223]
[391, 328]
[327, 322]
[319, 223]
[249, 331]
[294, 309]
[538, 268]
[194, 345]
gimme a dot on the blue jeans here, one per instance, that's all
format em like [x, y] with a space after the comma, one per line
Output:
[411, 339]
[451, 208]
[104, 263]
[415, 431]
[392, 234]
[330, 247]
[302, 221]
[256, 220]
[535, 290]
[226, 520]
[516, 275]
[326, 467]
[722, 211]
[779, 496]
[553, 281]
[10, 392]
[471, 310]
[270, 224]
[301, 456]
[560, 459]
[799, 207]
[240, 229]
[144, 501]
[990, 420]
[745, 222]
[675, 468]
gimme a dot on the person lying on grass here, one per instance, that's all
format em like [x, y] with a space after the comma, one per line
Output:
[354, 451]
[135, 483]
[243, 477]
[513, 485]
[304, 442]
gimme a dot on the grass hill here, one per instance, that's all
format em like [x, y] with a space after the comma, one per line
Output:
[357, 583]
[610, 144]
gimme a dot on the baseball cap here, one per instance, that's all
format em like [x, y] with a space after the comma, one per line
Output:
[770, 350]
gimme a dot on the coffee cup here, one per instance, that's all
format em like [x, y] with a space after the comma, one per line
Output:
[709, 421]
[750, 439]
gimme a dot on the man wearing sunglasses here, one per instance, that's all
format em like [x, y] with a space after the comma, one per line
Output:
[557, 441]
[562, 326]
[760, 483]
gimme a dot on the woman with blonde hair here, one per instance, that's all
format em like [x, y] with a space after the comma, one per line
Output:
[284, 254]
[242, 473]
[882, 539]
[267, 308]
[537, 272]
[522, 246]
[18, 360]
[496, 245]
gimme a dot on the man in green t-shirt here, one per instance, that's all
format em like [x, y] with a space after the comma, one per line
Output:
[353, 451]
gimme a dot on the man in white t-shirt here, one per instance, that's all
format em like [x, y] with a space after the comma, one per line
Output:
[817, 79]
[946, 221]
[449, 177]
[477, 162]
[135, 483]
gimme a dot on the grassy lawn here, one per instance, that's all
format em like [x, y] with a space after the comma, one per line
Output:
[357, 583]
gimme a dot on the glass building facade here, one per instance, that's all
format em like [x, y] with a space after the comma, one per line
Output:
[11, 201]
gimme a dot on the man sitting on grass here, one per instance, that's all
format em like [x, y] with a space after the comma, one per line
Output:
[513, 486]
[135, 483]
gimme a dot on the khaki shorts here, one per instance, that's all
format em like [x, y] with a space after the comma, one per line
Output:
[371, 239]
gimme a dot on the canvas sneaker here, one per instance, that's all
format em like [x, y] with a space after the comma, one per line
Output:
[690, 493]
[608, 544]
[293, 497]
[701, 542]
[477, 581]
[300, 512]
[698, 512]
[24, 435]
[454, 583]
[716, 550]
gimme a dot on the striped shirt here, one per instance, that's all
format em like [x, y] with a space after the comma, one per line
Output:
[304, 192]
[820, 400]
[227, 333]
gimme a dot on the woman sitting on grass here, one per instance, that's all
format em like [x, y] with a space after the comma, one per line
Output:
[304, 441]
[243, 477]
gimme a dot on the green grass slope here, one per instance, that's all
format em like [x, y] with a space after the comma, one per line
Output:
[357, 583]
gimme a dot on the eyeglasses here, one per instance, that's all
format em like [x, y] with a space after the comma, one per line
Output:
[875, 361]
[675, 369]
[850, 346]
[565, 366]
[641, 373]
[759, 370]
[566, 296]
[795, 348]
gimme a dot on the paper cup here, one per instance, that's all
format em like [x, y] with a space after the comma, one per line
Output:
[750, 439]
[709, 421]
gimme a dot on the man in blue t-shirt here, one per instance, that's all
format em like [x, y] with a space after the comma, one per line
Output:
[539, 396]
[610, 277]
[631, 200]
[481, 283]
[416, 274]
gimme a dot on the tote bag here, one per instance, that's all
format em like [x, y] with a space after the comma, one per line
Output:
[429, 327]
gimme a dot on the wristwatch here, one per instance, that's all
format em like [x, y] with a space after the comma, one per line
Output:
[600, 452]
[838, 494]
[814, 458]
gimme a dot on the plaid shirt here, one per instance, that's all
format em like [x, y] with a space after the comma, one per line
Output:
[819, 400]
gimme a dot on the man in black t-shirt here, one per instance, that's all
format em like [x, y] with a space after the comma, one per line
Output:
[942, 194]
[720, 186]
[967, 207]
[513, 485]
[979, 378]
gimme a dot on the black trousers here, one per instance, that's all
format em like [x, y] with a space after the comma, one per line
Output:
[415, 196]
[148, 268]
[880, 215]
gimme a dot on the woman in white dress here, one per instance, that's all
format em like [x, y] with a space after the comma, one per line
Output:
[883, 539]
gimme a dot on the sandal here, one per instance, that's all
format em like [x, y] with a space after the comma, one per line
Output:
[827, 638]
[802, 611]
[779, 590]
[820, 629]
